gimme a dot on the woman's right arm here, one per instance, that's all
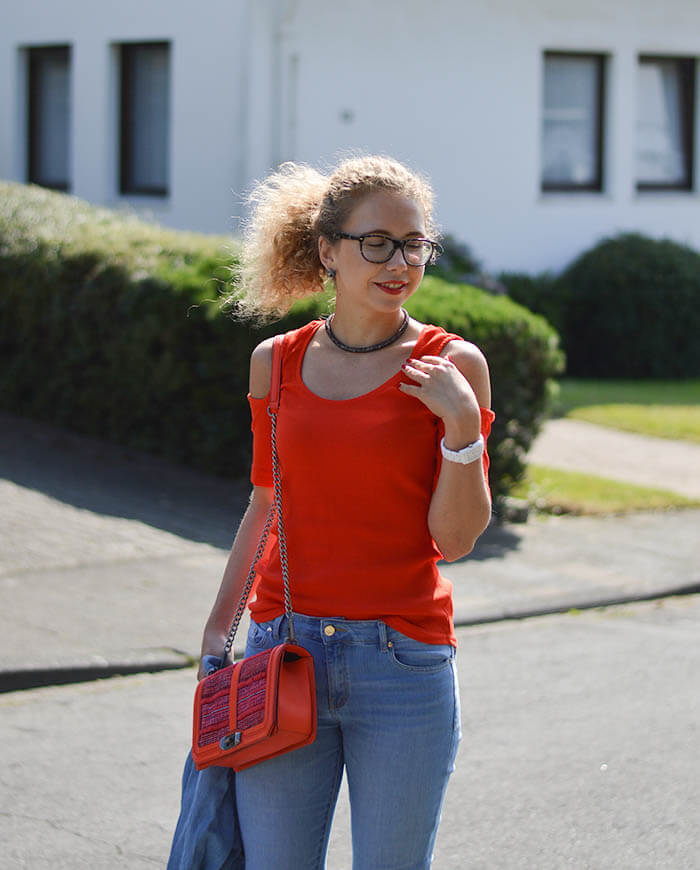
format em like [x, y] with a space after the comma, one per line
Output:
[235, 573]
[246, 541]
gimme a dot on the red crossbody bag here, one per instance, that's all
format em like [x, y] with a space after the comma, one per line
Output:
[264, 705]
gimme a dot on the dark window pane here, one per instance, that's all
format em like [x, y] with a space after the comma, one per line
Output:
[49, 117]
[145, 118]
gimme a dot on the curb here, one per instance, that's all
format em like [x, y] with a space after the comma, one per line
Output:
[156, 661]
[96, 668]
[505, 615]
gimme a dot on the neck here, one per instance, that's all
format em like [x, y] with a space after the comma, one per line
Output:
[361, 329]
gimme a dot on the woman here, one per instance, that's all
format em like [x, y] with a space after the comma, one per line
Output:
[373, 498]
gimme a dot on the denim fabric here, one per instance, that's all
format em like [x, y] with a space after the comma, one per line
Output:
[388, 713]
[207, 836]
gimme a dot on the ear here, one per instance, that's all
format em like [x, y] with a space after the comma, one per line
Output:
[326, 253]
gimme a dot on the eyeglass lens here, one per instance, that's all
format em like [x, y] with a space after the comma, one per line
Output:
[380, 249]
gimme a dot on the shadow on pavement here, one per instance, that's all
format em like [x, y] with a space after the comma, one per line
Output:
[118, 481]
[495, 542]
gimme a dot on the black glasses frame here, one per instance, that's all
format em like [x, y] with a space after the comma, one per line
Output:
[437, 249]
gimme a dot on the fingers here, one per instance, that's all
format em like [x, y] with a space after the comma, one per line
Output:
[434, 360]
[411, 389]
[430, 361]
[427, 374]
[422, 369]
[415, 372]
[437, 382]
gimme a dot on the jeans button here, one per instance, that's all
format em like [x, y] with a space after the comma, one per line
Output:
[329, 630]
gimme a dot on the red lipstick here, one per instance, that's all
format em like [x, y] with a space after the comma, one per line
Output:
[392, 287]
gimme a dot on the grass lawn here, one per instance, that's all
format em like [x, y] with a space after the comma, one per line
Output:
[665, 409]
[559, 492]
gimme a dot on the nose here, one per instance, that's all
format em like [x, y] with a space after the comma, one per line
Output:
[397, 262]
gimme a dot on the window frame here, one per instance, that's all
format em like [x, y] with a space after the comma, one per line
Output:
[35, 55]
[126, 158]
[687, 79]
[597, 185]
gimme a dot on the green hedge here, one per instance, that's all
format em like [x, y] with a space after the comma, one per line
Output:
[629, 307]
[539, 293]
[112, 327]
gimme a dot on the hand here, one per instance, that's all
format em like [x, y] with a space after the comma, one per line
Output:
[213, 644]
[445, 391]
[207, 666]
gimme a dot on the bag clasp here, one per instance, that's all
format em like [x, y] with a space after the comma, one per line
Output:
[229, 741]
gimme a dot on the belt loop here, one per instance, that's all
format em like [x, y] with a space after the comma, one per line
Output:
[381, 626]
[279, 627]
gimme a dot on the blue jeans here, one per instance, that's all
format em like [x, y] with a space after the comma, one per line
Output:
[388, 712]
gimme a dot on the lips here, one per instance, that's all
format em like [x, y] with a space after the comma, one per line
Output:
[393, 287]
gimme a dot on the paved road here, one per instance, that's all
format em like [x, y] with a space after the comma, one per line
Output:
[580, 750]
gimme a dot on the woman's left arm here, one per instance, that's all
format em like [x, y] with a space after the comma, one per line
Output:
[454, 389]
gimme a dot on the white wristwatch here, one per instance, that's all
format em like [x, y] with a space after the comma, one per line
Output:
[467, 454]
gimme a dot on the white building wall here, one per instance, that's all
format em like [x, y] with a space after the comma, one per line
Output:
[454, 87]
[207, 136]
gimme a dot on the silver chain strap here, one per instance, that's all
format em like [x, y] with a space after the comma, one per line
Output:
[281, 535]
[275, 510]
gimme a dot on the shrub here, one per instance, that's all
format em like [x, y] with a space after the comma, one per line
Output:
[538, 293]
[112, 327]
[457, 263]
[632, 310]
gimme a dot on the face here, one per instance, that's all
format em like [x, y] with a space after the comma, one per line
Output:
[377, 286]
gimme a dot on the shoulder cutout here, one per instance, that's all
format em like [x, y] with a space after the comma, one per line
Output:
[261, 369]
[472, 363]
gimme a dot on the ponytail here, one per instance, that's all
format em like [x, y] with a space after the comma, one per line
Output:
[279, 260]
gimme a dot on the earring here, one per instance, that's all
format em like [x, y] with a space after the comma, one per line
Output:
[330, 273]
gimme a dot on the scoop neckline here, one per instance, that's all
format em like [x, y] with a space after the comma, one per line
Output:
[382, 386]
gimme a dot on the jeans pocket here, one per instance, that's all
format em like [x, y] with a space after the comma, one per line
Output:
[260, 637]
[414, 655]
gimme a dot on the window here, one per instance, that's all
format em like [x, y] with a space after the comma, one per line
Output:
[665, 122]
[48, 133]
[572, 122]
[145, 118]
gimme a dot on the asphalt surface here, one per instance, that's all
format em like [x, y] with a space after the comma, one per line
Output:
[582, 729]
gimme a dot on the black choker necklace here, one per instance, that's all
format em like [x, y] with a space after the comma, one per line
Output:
[368, 348]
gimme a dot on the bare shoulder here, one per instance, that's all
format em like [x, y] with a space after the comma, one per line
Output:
[261, 369]
[472, 363]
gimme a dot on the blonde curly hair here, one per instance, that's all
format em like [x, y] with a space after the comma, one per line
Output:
[291, 209]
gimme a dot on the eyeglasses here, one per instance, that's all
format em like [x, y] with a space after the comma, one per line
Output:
[376, 248]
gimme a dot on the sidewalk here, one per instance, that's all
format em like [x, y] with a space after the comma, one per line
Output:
[572, 445]
[110, 560]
